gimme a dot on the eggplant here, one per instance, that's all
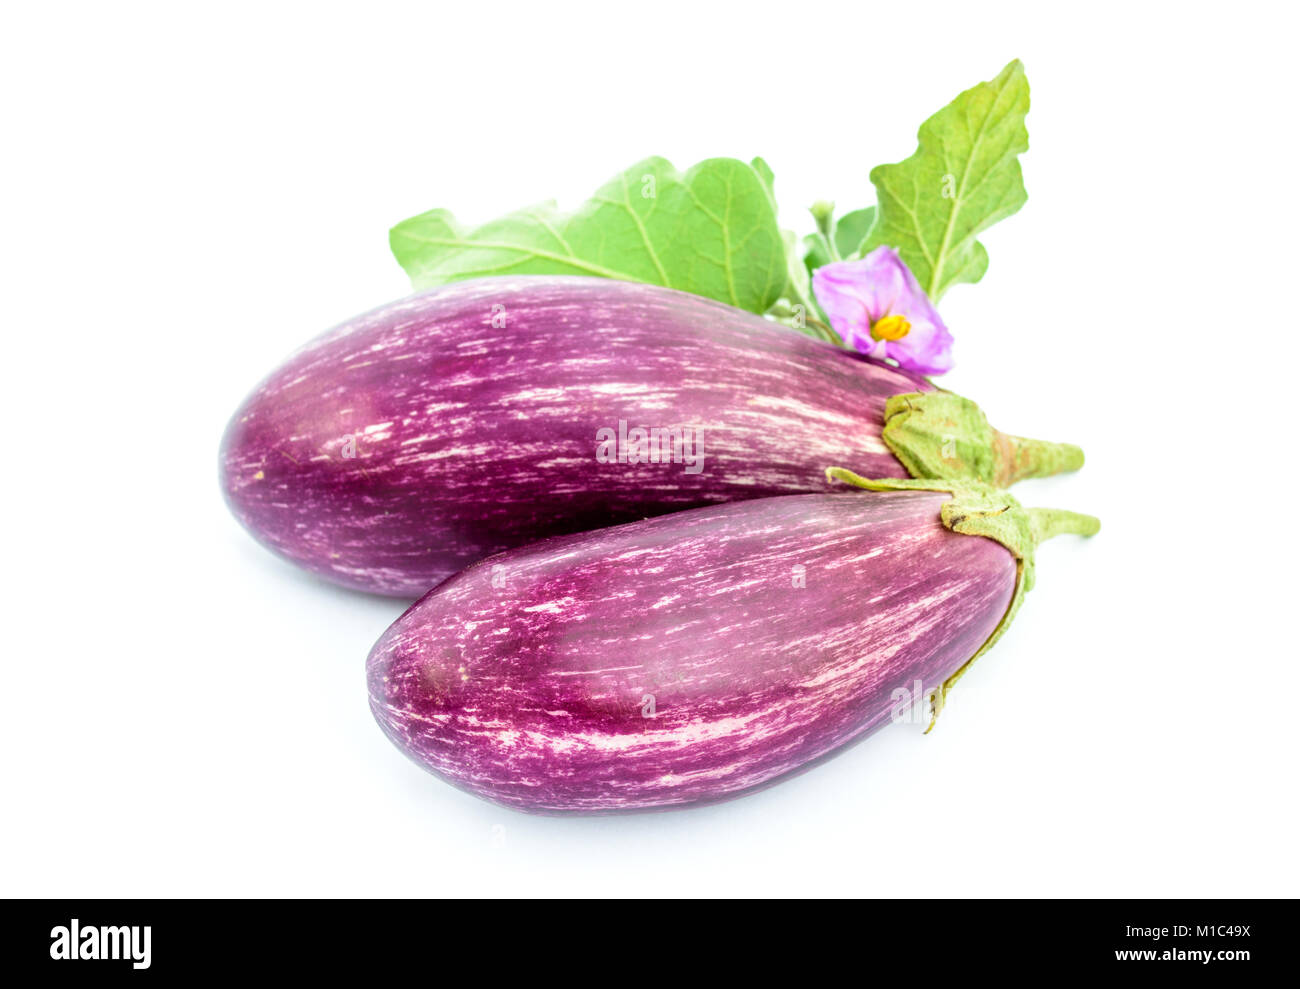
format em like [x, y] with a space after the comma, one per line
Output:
[414, 440]
[700, 656]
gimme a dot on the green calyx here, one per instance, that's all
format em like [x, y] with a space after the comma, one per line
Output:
[980, 509]
[941, 435]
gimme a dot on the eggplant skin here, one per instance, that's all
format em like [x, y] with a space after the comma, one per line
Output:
[685, 659]
[414, 440]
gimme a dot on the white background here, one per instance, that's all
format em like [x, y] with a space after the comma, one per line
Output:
[190, 193]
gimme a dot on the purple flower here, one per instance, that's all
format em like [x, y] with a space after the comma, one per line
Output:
[878, 307]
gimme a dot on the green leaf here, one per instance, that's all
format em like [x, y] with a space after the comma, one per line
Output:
[796, 308]
[764, 172]
[963, 178]
[796, 288]
[851, 230]
[815, 254]
[799, 289]
[712, 231]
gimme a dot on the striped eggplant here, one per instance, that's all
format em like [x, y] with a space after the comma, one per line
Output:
[704, 655]
[408, 443]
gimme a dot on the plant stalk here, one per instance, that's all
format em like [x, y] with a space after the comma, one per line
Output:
[1020, 457]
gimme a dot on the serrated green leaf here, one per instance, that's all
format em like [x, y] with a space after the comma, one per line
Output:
[963, 178]
[712, 231]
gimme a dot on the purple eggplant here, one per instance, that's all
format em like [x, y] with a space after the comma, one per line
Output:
[700, 656]
[414, 440]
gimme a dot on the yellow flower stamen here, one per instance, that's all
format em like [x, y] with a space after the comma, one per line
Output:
[890, 328]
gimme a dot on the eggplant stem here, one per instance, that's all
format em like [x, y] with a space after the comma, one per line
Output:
[940, 435]
[1048, 522]
[979, 509]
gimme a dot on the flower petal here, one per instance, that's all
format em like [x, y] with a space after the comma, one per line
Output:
[927, 348]
[845, 298]
[856, 294]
